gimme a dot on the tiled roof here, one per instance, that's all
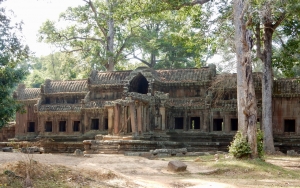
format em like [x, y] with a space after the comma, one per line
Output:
[30, 93]
[65, 86]
[113, 77]
[186, 102]
[227, 81]
[285, 86]
[185, 75]
[23, 93]
[95, 104]
[60, 107]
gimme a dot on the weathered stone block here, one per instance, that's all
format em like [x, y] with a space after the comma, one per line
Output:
[7, 149]
[176, 166]
[78, 152]
[292, 153]
[30, 149]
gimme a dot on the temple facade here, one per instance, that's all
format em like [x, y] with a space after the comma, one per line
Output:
[144, 100]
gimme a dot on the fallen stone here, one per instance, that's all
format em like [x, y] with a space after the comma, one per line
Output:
[78, 152]
[291, 153]
[179, 154]
[176, 166]
[30, 149]
[208, 172]
[7, 149]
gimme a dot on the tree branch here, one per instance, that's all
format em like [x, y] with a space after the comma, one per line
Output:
[258, 42]
[143, 61]
[278, 22]
[103, 30]
[122, 47]
[82, 38]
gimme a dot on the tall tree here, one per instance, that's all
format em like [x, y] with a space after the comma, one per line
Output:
[12, 53]
[271, 15]
[56, 66]
[95, 30]
[173, 39]
[247, 105]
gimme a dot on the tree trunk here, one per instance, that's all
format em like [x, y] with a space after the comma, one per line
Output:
[247, 107]
[110, 38]
[267, 91]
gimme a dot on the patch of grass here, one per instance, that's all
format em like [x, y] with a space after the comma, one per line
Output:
[250, 169]
[50, 176]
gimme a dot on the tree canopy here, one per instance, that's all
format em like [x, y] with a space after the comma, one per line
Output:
[12, 54]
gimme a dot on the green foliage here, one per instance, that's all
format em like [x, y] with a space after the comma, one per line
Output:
[260, 144]
[12, 54]
[91, 28]
[56, 66]
[239, 147]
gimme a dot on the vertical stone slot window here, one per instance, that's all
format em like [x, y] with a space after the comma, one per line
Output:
[62, 126]
[195, 123]
[31, 127]
[95, 124]
[76, 126]
[179, 123]
[48, 126]
[106, 124]
[47, 101]
[234, 124]
[217, 124]
[289, 125]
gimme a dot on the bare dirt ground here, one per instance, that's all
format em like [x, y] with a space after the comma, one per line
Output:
[134, 171]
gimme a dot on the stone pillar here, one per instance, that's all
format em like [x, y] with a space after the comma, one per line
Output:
[144, 112]
[185, 120]
[110, 111]
[162, 111]
[125, 129]
[122, 119]
[226, 123]
[148, 118]
[85, 123]
[133, 118]
[152, 117]
[116, 119]
[139, 118]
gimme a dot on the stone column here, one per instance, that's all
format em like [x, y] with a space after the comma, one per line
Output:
[226, 123]
[116, 119]
[110, 111]
[162, 111]
[139, 118]
[85, 123]
[133, 118]
[148, 118]
[125, 120]
[144, 112]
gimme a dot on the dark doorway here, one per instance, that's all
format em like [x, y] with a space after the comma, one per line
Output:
[217, 124]
[234, 124]
[289, 125]
[95, 124]
[179, 123]
[48, 126]
[76, 126]
[195, 123]
[106, 124]
[31, 127]
[47, 101]
[139, 84]
[62, 126]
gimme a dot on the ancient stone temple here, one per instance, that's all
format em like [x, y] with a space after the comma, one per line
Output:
[192, 108]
